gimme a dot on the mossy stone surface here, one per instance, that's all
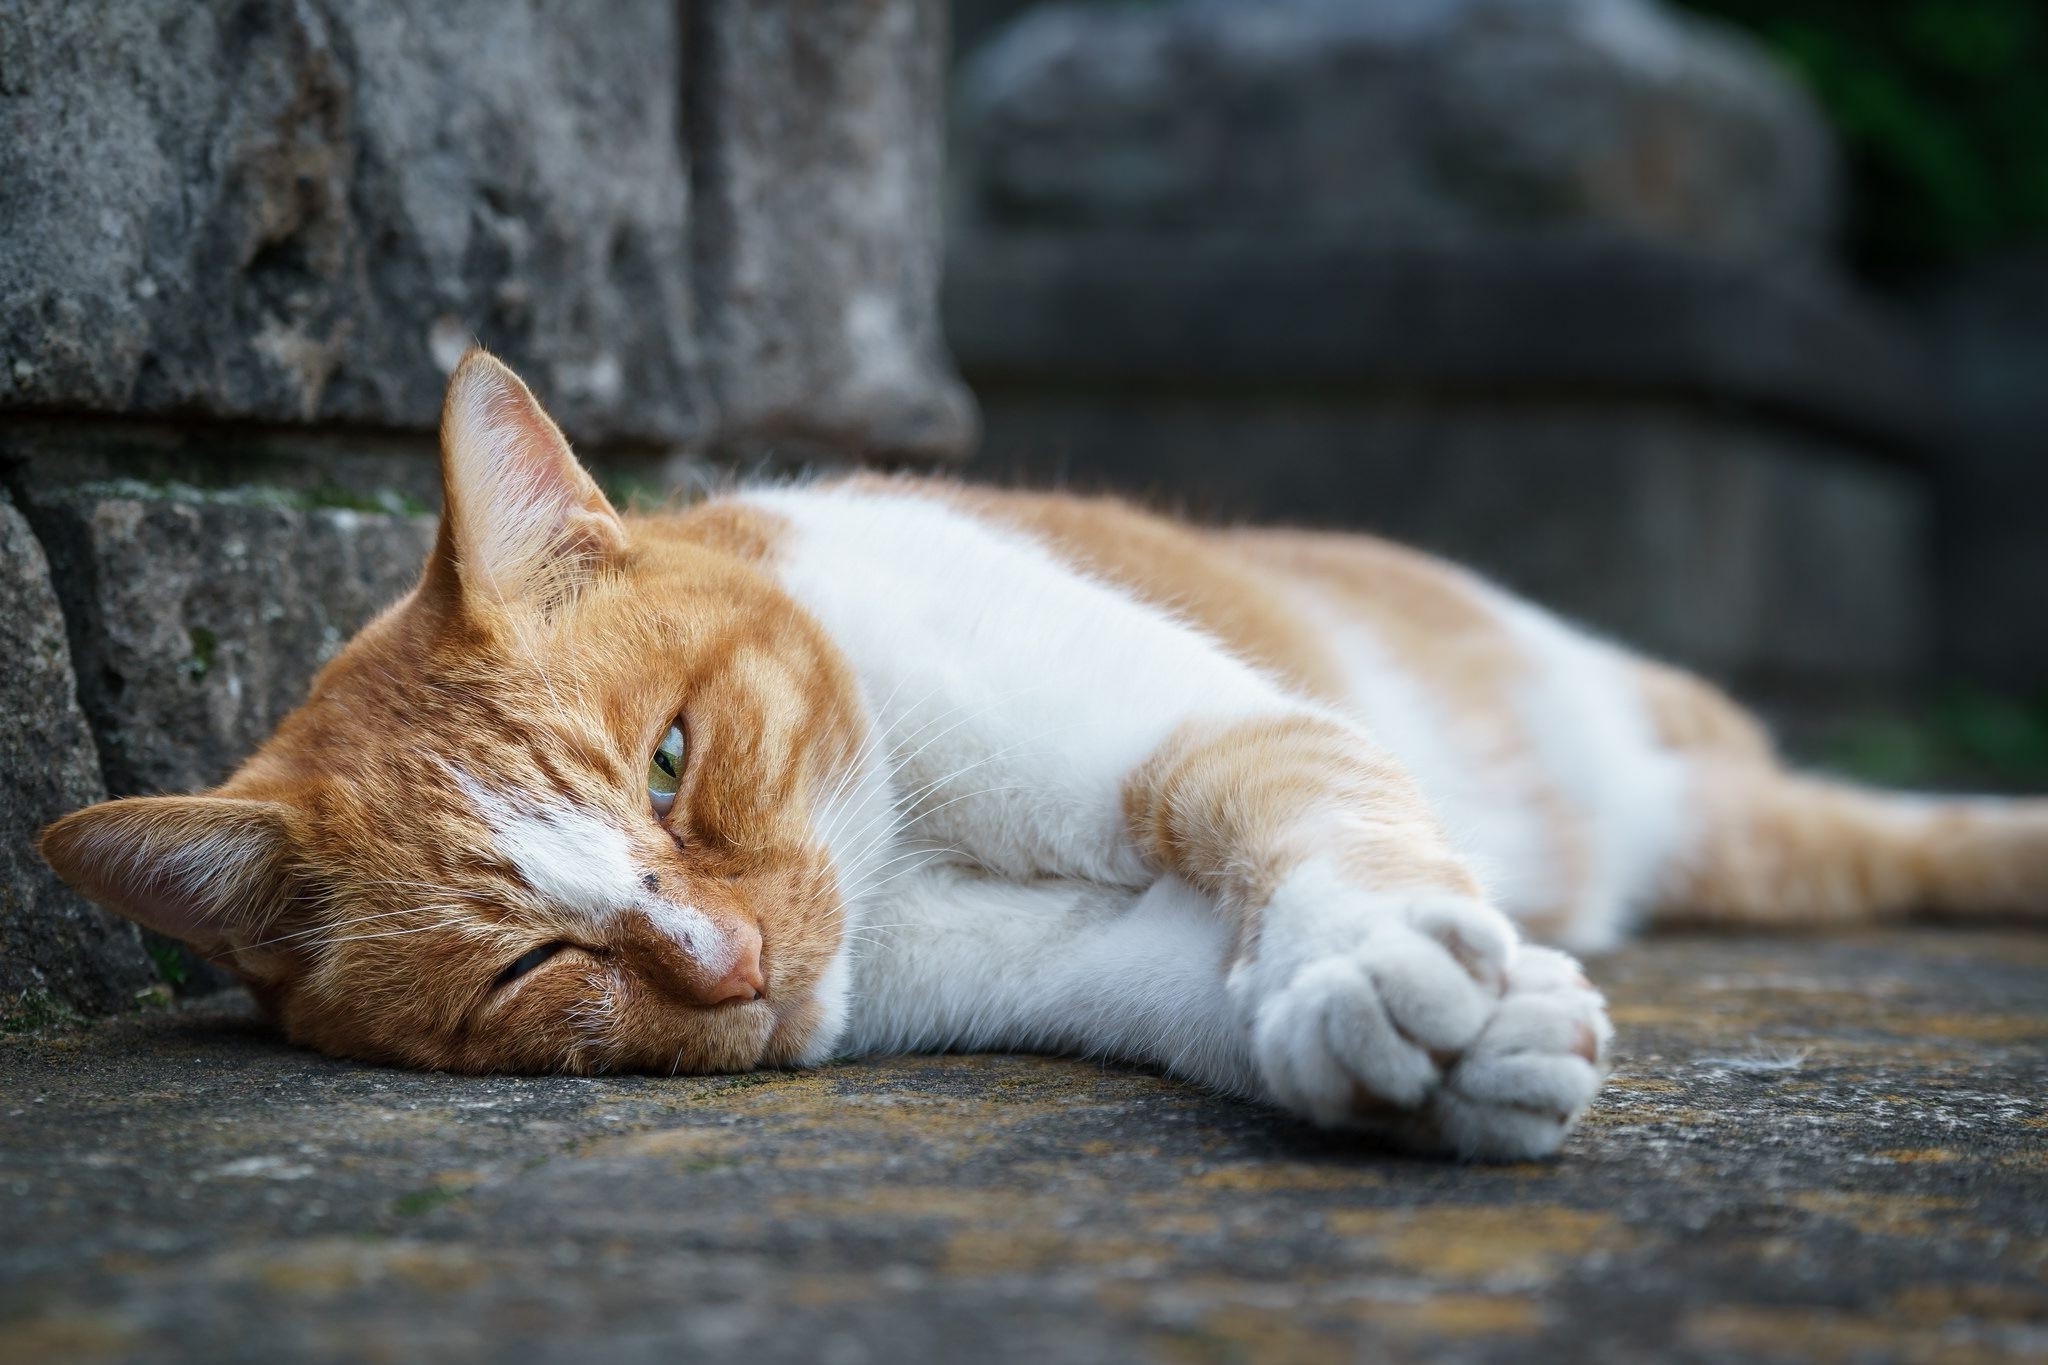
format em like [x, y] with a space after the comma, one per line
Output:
[58, 955]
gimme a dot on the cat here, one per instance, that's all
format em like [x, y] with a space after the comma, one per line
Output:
[878, 764]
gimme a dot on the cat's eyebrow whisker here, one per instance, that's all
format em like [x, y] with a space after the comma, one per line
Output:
[520, 629]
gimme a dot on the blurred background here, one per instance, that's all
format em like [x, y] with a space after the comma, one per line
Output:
[1722, 327]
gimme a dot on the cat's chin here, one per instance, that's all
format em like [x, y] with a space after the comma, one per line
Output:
[809, 1033]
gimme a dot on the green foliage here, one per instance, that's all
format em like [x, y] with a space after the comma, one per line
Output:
[205, 645]
[424, 1201]
[170, 962]
[1965, 739]
[1942, 106]
[385, 500]
[35, 1011]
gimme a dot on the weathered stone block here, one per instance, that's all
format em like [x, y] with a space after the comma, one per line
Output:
[303, 210]
[1440, 119]
[1764, 557]
[197, 618]
[815, 140]
[57, 953]
[1588, 311]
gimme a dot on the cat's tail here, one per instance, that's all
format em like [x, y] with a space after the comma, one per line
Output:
[1769, 848]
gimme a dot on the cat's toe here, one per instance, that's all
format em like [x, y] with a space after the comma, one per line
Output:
[1478, 937]
[1355, 1036]
[1326, 1044]
[1528, 1078]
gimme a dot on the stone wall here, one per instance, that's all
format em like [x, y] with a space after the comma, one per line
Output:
[244, 240]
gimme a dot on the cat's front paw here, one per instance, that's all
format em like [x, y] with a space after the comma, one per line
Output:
[1435, 1026]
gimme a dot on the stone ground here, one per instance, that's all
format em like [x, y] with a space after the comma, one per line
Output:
[1829, 1150]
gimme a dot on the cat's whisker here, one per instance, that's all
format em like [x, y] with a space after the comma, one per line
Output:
[879, 731]
[895, 767]
[930, 811]
[939, 852]
[448, 916]
[917, 857]
[870, 891]
[319, 930]
[896, 811]
[920, 750]
[410, 885]
[895, 807]
[326, 928]
[325, 944]
[871, 745]
[1005, 752]
[1000, 700]
[900, 857]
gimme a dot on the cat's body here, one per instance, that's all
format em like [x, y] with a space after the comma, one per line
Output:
[959, 768]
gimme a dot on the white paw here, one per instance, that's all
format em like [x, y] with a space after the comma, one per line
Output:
[1432, 1024]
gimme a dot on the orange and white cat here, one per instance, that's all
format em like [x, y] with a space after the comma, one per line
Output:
[843, 767]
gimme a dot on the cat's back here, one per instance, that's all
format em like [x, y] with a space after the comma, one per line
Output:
[1543, 747]
[1304, 605]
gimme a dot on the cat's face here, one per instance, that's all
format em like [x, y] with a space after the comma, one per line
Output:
[560, 809]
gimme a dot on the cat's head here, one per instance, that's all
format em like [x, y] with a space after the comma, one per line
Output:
[564, 807]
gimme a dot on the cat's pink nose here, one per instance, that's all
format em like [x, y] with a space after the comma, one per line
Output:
[743, 981]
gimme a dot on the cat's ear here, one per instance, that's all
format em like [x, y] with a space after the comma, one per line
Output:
[519, 515]
[212, 871]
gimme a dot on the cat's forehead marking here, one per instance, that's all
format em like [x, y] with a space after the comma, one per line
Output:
[582, 862]
[570, 857]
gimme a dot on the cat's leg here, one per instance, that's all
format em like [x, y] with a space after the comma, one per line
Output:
[959, 959]
[955, 958]
[1377, 986]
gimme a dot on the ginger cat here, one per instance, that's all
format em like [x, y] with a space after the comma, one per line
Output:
[815, 770]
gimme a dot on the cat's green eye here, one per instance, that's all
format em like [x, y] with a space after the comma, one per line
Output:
[665, 771]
